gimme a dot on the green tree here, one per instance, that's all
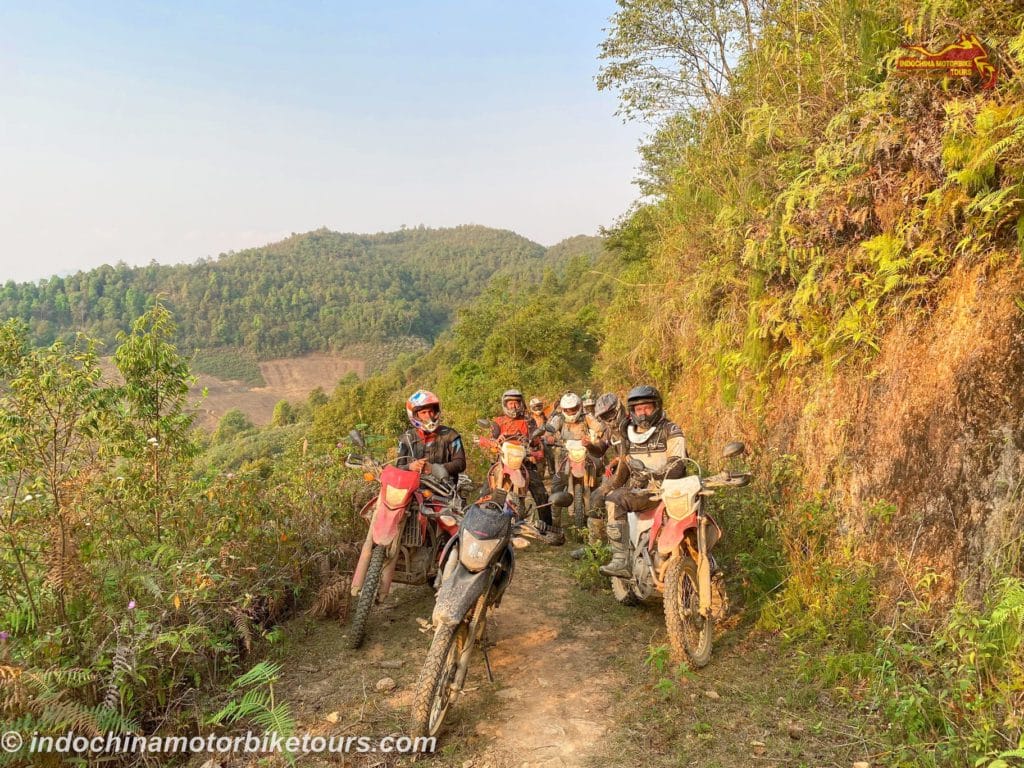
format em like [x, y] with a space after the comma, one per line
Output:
[232, 424]
[50, 420]
[666, 57]
[283, 414]
[155, 421]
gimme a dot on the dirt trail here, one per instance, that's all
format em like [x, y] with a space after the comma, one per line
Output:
[572, 688]
[554, 686]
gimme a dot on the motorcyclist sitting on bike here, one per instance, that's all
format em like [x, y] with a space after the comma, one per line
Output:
[429, 441]
[514, 423]
[538, 413]
[609, 411]
[570, 423]
[659, 445]
[610, 416]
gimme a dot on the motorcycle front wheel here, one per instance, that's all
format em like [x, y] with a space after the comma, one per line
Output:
[579, 508]
[689, 632]
[434, 688]
[367, 596]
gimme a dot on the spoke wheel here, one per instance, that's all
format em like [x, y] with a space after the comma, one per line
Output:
[689, 632]
[434, 692]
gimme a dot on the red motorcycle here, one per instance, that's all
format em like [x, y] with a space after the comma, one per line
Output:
[507, 472]
[669, 552]
[582, 473]
[410, 521]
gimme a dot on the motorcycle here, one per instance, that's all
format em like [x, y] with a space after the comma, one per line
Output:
[479, 563]
[582, 473]
[669, 554]
[507, 472]
[410, 521]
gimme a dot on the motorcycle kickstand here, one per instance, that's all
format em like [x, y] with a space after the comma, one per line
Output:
[487, 662]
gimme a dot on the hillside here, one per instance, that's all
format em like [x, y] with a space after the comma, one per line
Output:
[317, 291]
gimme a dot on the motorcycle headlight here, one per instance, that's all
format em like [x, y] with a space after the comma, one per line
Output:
[395, 497]
[476, 554]
[513, 455]
[679, 494]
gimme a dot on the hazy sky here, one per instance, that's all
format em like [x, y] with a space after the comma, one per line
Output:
[173, 131]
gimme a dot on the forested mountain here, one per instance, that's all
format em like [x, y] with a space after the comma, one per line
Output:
[314, 291]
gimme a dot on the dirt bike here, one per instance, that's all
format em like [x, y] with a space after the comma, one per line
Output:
[669, 553]
[478, 566]
[411, 519]
[582, 473]
[507, 472]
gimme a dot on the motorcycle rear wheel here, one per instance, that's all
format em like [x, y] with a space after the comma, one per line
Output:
[434, 688]
[367, 597]
[689, 632]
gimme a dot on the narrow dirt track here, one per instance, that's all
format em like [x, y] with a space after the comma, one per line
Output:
[572, 688]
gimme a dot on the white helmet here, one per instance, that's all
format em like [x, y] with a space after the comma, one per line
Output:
[571, 407]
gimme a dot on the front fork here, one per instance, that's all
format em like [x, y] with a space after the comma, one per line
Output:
[390, 562]
[477, 625]
[703, 567]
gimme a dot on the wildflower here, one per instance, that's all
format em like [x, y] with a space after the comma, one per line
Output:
[4, 634]
[131, 605]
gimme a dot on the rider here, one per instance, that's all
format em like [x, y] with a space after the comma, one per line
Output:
[611, 415]
[514, 423]
[539, 416]
[429, 442]
[649, 437]
[570, 423]
[608, 412]
[588, 403]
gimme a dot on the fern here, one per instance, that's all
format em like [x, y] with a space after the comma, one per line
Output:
[264, 673]
[276, 719]
[243, 626]
[332, 599]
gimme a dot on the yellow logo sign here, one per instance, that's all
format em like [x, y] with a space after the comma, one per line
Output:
[966, 57]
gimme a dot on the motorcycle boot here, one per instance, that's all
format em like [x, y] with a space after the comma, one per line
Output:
[554, 535]
[550, 533]
[618, 534]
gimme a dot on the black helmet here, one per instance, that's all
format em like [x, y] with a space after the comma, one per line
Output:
[644, 393]
[608, 408]
[517, 412]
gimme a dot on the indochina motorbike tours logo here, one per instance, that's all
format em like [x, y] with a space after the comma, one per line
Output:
[964, 58]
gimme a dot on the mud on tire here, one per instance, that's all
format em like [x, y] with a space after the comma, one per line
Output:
[367, 597]
[623, 592]
[689, 632]
[433, 689]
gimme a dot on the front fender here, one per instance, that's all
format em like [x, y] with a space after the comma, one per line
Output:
[459, 593]
[517, 476]
[672, 532]
[386, 522]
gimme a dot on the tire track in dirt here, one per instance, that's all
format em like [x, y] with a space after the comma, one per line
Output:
[555, 687]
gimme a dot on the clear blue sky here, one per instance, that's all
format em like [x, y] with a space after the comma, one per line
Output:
[174, 131]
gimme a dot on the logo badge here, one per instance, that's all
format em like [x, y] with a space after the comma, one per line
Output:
[966, 57]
